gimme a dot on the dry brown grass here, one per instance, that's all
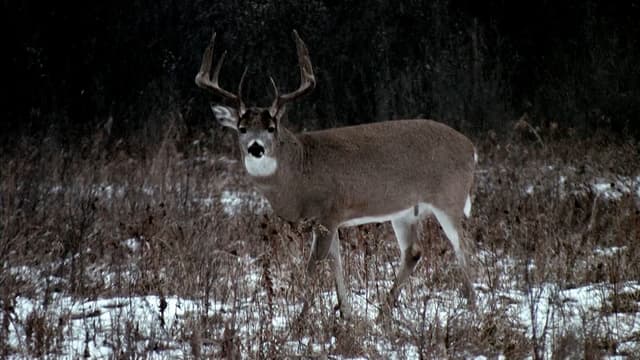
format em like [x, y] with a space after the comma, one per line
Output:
[88, 224]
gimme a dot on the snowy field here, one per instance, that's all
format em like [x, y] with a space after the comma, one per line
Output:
[258, 315]
[100, 328]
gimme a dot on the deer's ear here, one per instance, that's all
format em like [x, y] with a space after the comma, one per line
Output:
[226, 116]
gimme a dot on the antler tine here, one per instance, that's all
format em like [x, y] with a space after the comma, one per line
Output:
[275, 87]
[204, 78]
[275, 105]
[241, 105]
[307, 78]
[205, 67]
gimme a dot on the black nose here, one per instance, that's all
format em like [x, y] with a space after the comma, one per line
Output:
[256, 150]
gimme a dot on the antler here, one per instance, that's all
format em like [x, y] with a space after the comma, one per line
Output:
[210, 82]
[307, 78]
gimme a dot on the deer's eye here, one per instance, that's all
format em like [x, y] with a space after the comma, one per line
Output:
[243, 130]
[271, 129]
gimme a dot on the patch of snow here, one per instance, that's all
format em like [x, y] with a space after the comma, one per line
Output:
[236, 202]
[109, 191]
[98, 327]
[56, 189]
[227, 160]
[529, 189]
[610, 251]
[615, 188]
[134, 244]
[148, 190]
[609, 188]
[206, 201]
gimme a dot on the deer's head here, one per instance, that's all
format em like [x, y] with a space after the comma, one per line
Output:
[257, 127]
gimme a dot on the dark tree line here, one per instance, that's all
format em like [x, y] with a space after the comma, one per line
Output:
[70, 66]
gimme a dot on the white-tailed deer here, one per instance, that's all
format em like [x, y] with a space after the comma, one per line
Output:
[396, 171]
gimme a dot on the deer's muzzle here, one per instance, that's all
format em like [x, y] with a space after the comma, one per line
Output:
[256, 149]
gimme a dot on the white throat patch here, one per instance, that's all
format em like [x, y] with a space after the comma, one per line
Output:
[263, 166]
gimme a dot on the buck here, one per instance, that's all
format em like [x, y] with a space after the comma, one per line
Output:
[398, 171]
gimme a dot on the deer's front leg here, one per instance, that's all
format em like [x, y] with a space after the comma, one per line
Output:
[326, 242]
[322, 238]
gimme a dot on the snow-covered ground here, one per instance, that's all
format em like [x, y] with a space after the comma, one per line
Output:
[102, 328]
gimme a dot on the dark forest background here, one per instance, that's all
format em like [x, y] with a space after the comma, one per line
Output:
[71, 67]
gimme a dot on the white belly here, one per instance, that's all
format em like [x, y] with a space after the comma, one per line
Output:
[423, 210]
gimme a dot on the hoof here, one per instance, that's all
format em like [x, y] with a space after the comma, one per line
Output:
[345, 311]
[469, 294]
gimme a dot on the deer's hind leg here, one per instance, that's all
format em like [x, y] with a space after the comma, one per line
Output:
[406, 230]
[451, 223]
